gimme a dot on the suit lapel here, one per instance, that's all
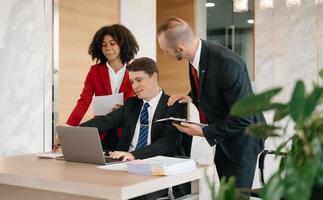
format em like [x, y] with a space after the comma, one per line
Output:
[159, 112]
[125, 82]
[202, 66]
[104, 74]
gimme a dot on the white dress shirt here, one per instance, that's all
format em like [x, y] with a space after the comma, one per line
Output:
[197, 56]
[116, 78]
[151, 111]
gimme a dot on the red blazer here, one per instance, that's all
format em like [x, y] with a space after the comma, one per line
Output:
[97, 83]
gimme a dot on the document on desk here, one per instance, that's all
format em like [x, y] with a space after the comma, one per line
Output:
[102, 105]
[115, 166]
[49, 155]
[161, 166]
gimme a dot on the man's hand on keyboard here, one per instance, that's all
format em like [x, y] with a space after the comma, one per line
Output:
[121, 155]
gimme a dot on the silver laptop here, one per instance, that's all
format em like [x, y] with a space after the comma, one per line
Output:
[82, 144]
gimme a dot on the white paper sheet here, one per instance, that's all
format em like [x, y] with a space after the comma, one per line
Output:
[49, 155]
[117, 166]
[161, 166]
[102, 105]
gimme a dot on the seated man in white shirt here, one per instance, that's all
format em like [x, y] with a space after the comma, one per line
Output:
[141, 138]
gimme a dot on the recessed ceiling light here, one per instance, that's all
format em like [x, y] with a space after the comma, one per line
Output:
[251, 21]
[293, 3]
[209, 4]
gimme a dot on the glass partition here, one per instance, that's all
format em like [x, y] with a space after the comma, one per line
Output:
[233, 30]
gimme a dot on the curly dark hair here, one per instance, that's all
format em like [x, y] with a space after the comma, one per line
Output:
[124, 38]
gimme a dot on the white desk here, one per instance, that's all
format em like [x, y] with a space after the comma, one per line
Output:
[28, 177]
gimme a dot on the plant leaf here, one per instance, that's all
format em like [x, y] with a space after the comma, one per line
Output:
[227, 189]
[319, 177]
[282, 110]
[283, 144]
[312, 101]
[297, 103]
[274, 189]
[317, 149]
[299, 180]
[254, 104]
[262, 130]
[321, 73]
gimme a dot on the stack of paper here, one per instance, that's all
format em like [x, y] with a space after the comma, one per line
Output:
[49, 155]
[161, 166]
[139, 167]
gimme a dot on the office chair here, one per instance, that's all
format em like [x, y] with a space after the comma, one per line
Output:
[255, 192]
[188, 143]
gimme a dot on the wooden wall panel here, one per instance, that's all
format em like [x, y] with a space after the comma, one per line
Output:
[79, 20]
[174, 74]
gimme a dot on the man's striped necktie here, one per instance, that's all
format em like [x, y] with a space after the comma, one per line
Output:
[143, 132]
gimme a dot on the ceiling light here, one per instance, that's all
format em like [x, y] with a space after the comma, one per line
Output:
[293, 3]
[240, 6]
[251, 21]
[209, 4]
[264, 4]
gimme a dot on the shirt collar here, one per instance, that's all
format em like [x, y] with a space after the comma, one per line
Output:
[197, 56]
[123, 68]
[154, 101]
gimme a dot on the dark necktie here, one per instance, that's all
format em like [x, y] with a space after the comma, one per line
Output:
[196, 89]
[143, 132]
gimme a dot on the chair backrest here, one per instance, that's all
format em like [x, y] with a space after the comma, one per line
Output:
[202, 153]
[255, 192]
[261, 163]
[200, 149]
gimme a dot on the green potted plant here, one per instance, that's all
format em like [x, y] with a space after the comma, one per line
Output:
[300, 173]
[226, 191]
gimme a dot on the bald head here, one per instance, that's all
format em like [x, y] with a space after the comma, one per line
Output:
[176, 38]
[175, 31]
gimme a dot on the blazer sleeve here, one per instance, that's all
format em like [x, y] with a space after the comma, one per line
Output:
[234, 84]
[84, 101]
[169, 138]
[112, 120]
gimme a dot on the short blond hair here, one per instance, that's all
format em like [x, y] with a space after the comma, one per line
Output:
[176, 30]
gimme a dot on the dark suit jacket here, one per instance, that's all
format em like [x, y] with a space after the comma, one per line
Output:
[165, 138]
[223, 79]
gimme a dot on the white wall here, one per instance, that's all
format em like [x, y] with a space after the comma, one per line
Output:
[25, 78]
[200, 19]
[288, 47]
[140, 17]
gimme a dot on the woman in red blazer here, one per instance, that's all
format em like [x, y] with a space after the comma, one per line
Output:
[112, 47]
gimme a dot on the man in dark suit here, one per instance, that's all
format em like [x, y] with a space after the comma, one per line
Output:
[218, 78]
[159, 138]
[141, 138]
